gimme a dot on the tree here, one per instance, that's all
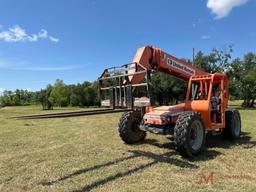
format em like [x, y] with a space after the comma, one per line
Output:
[249, 88]
[76, 96]
[60, 94]
[44, 98]
[6, 98]
[249, 80]
[217, 61]
[202, 62]
[90, 94]
[167, 89]
[242, 76]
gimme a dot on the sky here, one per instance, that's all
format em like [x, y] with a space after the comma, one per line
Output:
[75, 40]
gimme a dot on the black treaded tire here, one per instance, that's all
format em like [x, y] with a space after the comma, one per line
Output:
[128, 127]
[184, 134]
[232, 128]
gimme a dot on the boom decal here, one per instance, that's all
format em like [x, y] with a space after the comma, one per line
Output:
[180, 66]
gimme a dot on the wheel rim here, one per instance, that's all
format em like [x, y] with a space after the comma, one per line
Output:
[237, 125]
[196, 135]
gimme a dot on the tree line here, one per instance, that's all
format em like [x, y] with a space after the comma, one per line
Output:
[241, 72]
[166, 89]
[59, 95]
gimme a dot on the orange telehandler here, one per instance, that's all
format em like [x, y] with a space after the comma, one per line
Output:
[204, 109]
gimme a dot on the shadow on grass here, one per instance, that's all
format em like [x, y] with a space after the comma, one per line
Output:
[218, 141]
[245, 108]
[240, 107]
[208, 153]
[81, 171]
[155, 159]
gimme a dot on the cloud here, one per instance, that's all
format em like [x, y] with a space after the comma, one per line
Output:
[17, 33]
[205, 37]
[221, 8]
[15, 64]
[54, 39]
[64, 68]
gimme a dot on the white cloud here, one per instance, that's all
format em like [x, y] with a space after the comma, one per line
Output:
[221, 8]
[205, 37]
[15, 64]
[64, 68]
[54, 39]
[17, 33]
[43, 33]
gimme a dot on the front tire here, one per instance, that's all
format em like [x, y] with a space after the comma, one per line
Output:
[129, 127]
[232, 128]
[189, 134]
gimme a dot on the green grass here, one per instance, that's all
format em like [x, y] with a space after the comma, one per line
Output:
[86, 153]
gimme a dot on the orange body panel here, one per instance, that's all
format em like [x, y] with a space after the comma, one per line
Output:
[160, 115]
[142, 56]
[203, 107]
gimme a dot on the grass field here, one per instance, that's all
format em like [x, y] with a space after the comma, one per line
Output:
[86, 154]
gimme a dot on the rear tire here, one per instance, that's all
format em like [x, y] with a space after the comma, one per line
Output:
[232, 128]
[129, 127]
[189, 134]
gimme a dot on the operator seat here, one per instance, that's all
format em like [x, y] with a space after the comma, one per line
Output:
[215, 102]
